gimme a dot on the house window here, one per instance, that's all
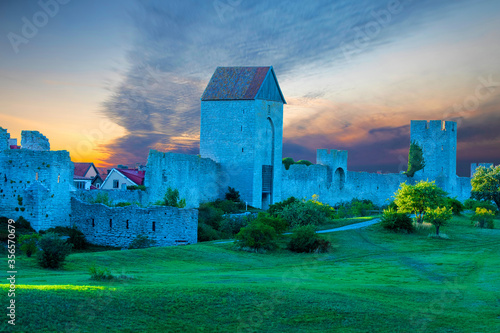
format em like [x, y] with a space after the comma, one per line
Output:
[154, 226]
[116, 183]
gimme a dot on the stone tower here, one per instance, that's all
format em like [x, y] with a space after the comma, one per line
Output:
[242, 130]
[438, 140]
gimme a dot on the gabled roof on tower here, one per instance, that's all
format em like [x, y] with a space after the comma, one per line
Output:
[243, 83]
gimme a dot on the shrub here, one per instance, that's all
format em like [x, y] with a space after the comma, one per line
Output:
[278, 224]
[102, 198]
[305, 213]
[100, 274]
[355, 207]
[123, 204]
[276, 208]
[305, 239]
[232, 194]
[470, 204]
[22, 227]
[141, 242]
[257, 236]
[396, 221]
[29, 243]
[456, 206]
[207, 233]
[136, 187]
[486, 205]
[76, 237]
[210, 215]
[231, 225]
[53, 250]
[172, 199]
[483, 218]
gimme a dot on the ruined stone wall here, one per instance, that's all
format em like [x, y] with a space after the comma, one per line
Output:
[197, 179]
[118, 226]
[34, 140]
[36, 186]
[115, 196]
[303, 181]
[4, 139]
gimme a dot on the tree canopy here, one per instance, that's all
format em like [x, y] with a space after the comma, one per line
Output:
[486, 184]
[416, 199]
[415, 159]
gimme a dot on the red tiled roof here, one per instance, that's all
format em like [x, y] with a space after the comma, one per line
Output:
[134, 175]
[235, 83]
[81, 168]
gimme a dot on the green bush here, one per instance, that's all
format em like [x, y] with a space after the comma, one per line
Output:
[100, 274]
[470, 204]
[231, 225]
[304, 213]
[123, 204]
[136, 187]
[278, 224]
[76, 237]
[207, 233]
[141, 242]
[395, 221]
[210, 215]
[354, 208]
[53, 250]
[257, 236]
[29, 243]
[276, 208]
[172, 199]
[102, 198]
[456, 205]
[305, 239]
[483, 218]
[486, 205]
[232, 194]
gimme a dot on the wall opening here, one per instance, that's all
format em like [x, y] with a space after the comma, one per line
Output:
[154, 226]
[268, 165]
[339, 178]
[126, 225]
[110, 223]
[93, 223]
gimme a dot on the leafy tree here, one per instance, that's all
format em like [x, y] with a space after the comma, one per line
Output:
[438, 216]
[417, 198]
[53, 250]
[232, 194]
[455, 205]
[486, 184]
[287, 161]
[29, 243]
[415, 159]
[276, 208]
[172, 199]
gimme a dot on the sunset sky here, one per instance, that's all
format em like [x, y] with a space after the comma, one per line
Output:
[109, 80]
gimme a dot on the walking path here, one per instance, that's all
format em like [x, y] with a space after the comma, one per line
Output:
[346, 227]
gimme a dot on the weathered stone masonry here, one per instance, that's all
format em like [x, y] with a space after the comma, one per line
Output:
[118, 226]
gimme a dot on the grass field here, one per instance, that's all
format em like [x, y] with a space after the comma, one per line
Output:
[371, 281]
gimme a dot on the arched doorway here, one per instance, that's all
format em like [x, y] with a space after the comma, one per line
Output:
[339, 178]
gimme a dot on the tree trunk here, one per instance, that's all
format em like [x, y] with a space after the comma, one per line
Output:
[437, 230]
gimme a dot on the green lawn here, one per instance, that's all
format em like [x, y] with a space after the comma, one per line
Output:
[371, 281]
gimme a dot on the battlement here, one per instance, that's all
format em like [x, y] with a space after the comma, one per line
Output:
[331, 157]
[433, 126]
[4, 139]
[34, 140]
